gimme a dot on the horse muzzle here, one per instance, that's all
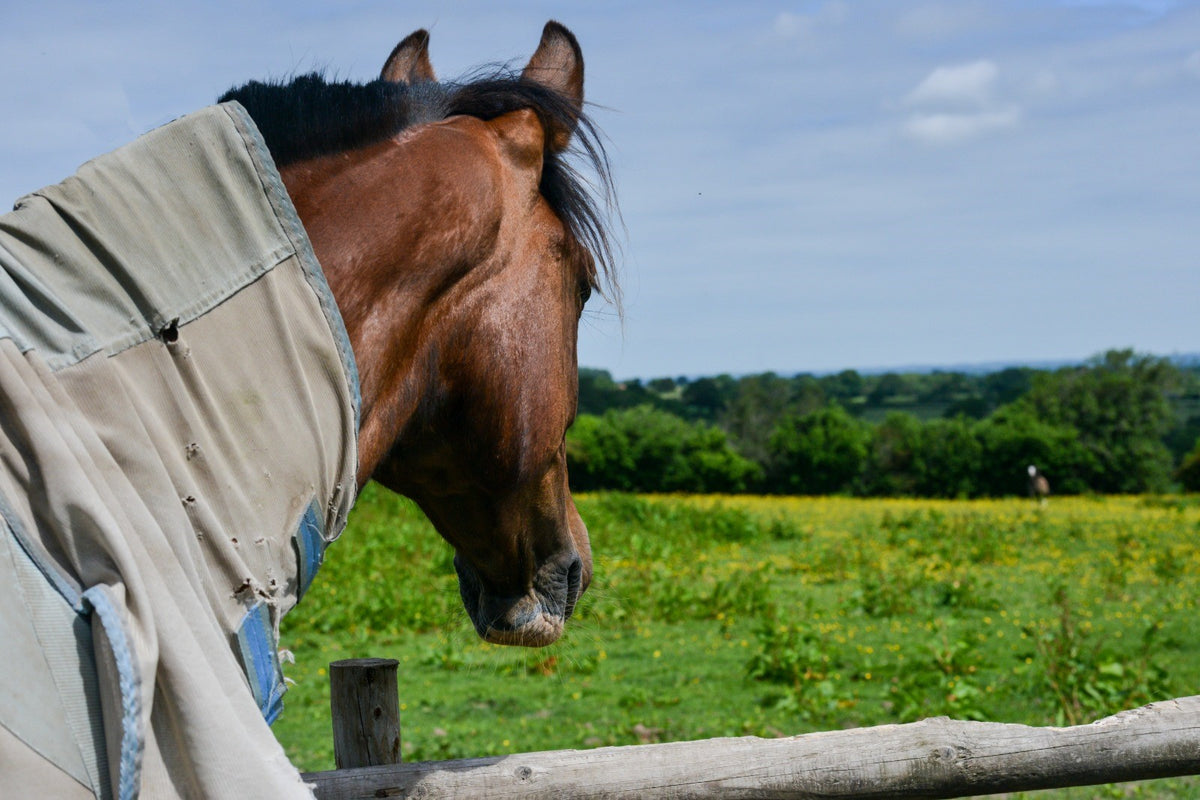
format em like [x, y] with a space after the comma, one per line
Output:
[534, 618]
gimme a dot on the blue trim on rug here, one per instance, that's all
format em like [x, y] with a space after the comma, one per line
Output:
[310, 548]
[63, 584]
[129, 682]
[260, 660]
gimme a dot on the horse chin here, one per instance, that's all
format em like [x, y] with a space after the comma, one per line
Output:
[544, 629]
[534, 619]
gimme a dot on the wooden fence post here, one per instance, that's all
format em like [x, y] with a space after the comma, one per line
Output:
[365, 707]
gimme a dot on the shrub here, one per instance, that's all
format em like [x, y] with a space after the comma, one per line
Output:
[1188, 473]
[644, 449]
[824, 452]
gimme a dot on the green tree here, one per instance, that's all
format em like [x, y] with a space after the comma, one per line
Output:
[950, 459]
[1180, 438]
[597, 391]
[887, 387]
[598, 455]
[757, 404]
[662, 385]
[895, 466]
[845, 387]
[1003, 387]
[807, 394]
[655, 441]
[710, 464]
[644, 449]
[975, 407]
[1014, 438]
[706, 398]
[1118, 406]
[1188, 473]
[946, 387]
[819, 453]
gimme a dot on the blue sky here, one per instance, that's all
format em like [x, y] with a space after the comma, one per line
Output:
[805, 185]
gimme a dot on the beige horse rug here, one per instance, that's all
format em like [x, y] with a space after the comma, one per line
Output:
[178, 413]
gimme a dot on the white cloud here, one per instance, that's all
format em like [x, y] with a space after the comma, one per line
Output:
[962, 84]
[958, 102]
[950, 128]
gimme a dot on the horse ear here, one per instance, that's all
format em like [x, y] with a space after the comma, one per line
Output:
[557, 64]
[409, 62]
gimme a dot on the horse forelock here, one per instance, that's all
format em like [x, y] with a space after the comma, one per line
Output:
[310, 116]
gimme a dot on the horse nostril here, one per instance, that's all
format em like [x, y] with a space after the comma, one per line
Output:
[574, 585]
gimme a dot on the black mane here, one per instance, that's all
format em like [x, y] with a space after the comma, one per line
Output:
[310, 116]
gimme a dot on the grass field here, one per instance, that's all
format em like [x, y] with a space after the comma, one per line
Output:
[717, 616]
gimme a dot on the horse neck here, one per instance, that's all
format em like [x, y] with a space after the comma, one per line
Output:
[356, 240]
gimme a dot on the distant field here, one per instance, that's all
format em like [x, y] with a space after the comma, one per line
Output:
[716, 616]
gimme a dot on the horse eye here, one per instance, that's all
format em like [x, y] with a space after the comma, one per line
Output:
[585, 292]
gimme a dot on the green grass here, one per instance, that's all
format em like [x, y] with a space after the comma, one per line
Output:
[733, 616]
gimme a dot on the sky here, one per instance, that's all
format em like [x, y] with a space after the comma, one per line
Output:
[804, 186]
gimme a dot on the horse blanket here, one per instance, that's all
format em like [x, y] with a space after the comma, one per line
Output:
[178, 421]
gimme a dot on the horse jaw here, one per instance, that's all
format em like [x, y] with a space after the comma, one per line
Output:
[523, 558]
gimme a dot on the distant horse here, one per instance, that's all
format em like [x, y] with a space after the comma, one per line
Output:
[1039, 487]
[213, 337]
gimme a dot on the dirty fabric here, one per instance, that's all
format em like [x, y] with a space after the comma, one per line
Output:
[178, 412]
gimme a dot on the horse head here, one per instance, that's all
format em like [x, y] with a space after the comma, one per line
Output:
[461, 248]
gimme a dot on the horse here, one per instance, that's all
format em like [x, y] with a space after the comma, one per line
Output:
[1039, 487]
[308, 286]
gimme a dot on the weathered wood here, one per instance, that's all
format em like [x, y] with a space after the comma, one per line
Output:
[366, 712]
[930, 759]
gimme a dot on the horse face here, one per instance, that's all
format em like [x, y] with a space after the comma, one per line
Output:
[483, 453]
[461, 289]
[493, 358]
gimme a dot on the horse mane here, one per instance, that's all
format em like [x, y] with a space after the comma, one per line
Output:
[310, 116]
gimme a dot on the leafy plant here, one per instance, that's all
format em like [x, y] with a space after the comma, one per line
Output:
[944, 680]
[795, 656]
[1086, 677]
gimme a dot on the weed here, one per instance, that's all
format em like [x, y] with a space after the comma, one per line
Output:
[1084, 674]
[943, 680]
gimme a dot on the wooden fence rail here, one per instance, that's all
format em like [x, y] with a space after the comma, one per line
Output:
[934, 758]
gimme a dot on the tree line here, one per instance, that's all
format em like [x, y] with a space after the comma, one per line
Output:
[1122, 422]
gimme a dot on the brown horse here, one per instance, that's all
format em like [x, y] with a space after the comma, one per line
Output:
[184, 413]
[460, 247]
